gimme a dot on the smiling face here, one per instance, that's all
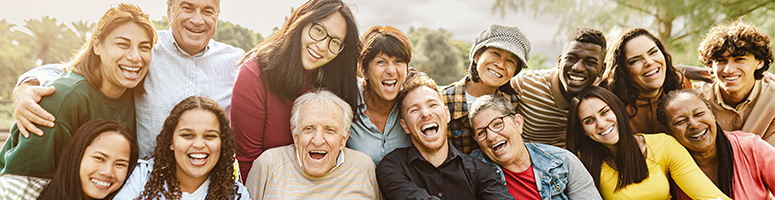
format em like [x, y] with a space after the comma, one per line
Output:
[581, 65]
[193, 23]
[319, 137]
[496, 66]
[691, 122]
[316, 53]
[386, 74]
[425, 118]
[104, 165]
[735, 74]
[124, 56]
[645, 65]
[196, 144]
[504, 147]
[599, 121]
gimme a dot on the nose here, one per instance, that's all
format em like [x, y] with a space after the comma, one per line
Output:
[199, 142]
[648, 60]
[693, 124]
[726, 68]
[600, 124]
[197, 19]
[106, 169]
[391, 69]
[133, 54]
[317, 139]
[578, 66]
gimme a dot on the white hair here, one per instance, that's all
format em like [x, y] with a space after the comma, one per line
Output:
[321, 97]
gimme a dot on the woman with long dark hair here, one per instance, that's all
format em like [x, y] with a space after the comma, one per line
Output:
[193, 158]
[97, 83]
[640, 70]
[737, 162]
[94, 163]
[625, 165]
[317, 47]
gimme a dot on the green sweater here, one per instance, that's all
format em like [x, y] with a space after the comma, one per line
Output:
[74, 103]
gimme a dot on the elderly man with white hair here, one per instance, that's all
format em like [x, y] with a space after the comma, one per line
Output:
[317, 164]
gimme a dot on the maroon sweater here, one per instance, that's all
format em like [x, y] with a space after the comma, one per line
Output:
[260, 118]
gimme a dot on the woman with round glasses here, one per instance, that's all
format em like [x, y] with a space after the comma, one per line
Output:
[317, 47]
[529, 170]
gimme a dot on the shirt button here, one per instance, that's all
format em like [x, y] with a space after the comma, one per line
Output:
[190, 83]
[384, 141]
[441, 194]
[557, 188]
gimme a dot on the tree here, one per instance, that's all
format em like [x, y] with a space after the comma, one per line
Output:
[435, 53]
[680, 24]
[232, 34]
[83, 29]
[51, 42]
[14, 58]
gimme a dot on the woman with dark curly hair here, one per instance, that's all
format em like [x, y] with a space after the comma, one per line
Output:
[94, 163]
[640, 70]
[193, 158]
[625, 165]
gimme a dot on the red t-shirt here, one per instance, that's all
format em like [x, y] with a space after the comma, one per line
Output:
[522, 185]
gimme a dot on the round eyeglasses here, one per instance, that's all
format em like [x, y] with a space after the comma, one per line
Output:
[496, 125]
[318, 32]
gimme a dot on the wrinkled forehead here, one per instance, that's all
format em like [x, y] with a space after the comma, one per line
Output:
[215, 3]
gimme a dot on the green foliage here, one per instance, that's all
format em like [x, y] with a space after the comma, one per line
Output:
[680, 24]
[51, 41]
[540, 61]
[435, 53]
[232, 34]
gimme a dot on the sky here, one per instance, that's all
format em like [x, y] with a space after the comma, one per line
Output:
[465, 19]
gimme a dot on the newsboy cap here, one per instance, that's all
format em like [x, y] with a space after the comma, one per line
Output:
[508, 38]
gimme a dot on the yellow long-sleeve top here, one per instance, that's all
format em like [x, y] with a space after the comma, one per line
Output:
[663, 154]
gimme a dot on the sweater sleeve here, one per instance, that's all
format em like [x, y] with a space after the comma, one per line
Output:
[686, 173]
[258, 177]
[248, 111]
[580, 183]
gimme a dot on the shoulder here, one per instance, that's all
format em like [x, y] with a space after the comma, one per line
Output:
[358, 158]
[661, 142]
[275, 155]
[547, 150]
[221, 47]
[396, 157]
[455, 87]
[747, 142]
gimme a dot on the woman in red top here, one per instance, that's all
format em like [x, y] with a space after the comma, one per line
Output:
[317, 47]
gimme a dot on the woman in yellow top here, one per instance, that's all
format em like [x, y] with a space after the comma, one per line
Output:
[632, 166]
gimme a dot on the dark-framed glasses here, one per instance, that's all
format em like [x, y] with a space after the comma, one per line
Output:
[318, 32]
[496, 126]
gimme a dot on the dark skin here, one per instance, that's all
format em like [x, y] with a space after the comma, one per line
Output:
[582, 65]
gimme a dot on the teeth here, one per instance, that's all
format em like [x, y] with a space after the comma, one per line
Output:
[501, 143]
[698, 135]
[389, 82]
[198, 155]
[651, 72]
[495, 73]
[322, 152]
[577, 78]
[426, 127]
[317, 56]
[100, 183]
[731, 78]
[131, 69]
[606, 132]
[195, 31]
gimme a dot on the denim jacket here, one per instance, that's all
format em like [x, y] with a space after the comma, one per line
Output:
[551, 172]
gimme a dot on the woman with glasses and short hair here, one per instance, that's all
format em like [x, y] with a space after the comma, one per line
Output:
[317, 47]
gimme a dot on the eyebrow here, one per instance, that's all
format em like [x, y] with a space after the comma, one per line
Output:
[641, 55]
[108, 156]
[598, 111]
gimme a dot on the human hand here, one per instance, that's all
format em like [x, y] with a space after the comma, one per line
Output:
[27, 111]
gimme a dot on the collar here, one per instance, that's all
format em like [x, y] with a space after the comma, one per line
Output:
[536, 152]
[751, 96]
[414, 154]
[339, 160]
[456, 98]
[559, 100]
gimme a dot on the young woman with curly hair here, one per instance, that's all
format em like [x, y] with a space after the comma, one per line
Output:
[193, 158]
[640, 70]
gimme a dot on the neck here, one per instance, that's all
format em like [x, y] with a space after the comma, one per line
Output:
[734, 98]
[565, 94]
[435, 157]
[649, 94]
[189, 184]
[377, 105]
[479, 89]
[707, 158]
[112, 92]
[523, 161]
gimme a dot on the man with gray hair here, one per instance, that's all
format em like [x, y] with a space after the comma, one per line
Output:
[317, 164]
[186, 62]
[529, 170]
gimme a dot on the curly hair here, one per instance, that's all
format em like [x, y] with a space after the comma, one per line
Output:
[222, 182]
[616, 78]
[66, 183]
[738, 39]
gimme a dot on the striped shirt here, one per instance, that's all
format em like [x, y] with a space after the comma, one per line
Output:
[21, 187]
[276, 174]
[542, 106]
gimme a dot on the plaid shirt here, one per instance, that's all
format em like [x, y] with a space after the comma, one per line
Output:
[459, 129]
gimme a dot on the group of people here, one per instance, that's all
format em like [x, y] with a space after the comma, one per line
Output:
[293, 119]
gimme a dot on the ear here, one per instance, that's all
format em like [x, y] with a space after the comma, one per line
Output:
[344, 141]
[96, 46]
[448, 116]
[169, 13]
[760, 64]
[519, 121]
[172, 147]
[293, 135]
[404, 126]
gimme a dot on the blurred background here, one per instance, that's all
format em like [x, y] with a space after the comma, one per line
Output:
[38, 32]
